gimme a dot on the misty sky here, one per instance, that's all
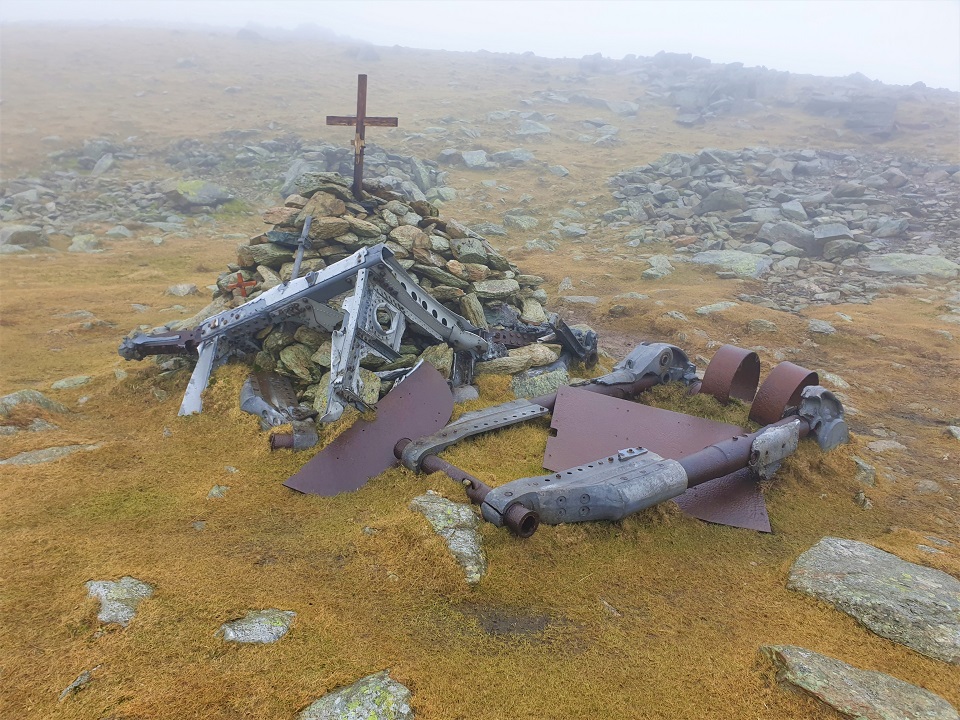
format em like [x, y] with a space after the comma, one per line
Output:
[889, 40]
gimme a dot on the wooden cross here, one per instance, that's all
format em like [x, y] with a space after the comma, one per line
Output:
[360, 120]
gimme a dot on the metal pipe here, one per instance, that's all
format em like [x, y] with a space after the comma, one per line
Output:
[727, 456]
[520, 520]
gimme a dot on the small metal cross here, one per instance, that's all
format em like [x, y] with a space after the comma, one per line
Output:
[241, 284]
[360, 120]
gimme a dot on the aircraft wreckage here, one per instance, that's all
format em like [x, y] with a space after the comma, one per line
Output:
[611, 456]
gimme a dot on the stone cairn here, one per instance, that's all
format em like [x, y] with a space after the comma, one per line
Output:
[458, 267]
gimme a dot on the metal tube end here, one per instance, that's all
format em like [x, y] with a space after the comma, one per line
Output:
[521, 521]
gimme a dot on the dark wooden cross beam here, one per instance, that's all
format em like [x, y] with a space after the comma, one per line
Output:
[360, 120]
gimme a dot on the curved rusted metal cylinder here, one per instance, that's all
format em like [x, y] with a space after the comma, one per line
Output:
[780, 391]
[732, 373]
[281, 441]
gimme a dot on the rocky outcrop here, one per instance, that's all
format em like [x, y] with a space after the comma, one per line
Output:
[119, 599]
[375, 697]
[258, 627]
[910, 604]
[860, 694]
[458, 525]
[822, 226]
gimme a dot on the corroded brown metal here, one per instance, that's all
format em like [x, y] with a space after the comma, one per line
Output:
[589, 426]
[780, 391]
[732, 496]
[360, 122]
[418, 406]
[732, 373]
[726, 456]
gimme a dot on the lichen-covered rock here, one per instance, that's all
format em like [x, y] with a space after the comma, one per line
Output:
[440, 356]
[911, 265]
[270, 255]
[375, 697]
[119, 599]
[472, 310]
[29, 397]
[546, 383]
[496, 289]
[860, 694]
[70, 382]
[457, 524]
[321, 205]
[35, 457]
[469, 250]
[406, 236]
[910, 604]
[258, 627]
[532, 312]
[537, 354]
[190, 194]
[295, 360]
[327, 228]
[83, 679]
[740, 263]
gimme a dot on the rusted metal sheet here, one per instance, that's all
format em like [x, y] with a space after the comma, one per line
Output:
[589, 426]
[780, 391]
[418, 406]
[732, 373]
[734, 499]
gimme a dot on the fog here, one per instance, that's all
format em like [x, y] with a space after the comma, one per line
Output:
[892, 41]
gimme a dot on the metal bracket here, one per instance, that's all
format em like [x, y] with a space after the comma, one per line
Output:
[475, 423]
[667, 362]
[823, 411]
[771, 446]
[610, 488]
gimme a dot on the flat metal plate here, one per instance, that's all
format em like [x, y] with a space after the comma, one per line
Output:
[418, 406]
[589, 426]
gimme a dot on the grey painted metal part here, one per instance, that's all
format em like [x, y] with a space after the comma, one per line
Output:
[385, 299]
[610, 488]
[771, 446]
[823, 412]
[667, 362]
[470, 424]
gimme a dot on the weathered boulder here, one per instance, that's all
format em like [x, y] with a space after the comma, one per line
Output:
[119, 599]
[721, 201]
[860, 694]
[23, 235]
[910, 604]
[29, 397]
[191, 194]
[911, 265]
[457, 524]
[35, 457]
[259, 627]
[375, 697]
[740, 263]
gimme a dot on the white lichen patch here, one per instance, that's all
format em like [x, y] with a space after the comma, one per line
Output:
[457, 524]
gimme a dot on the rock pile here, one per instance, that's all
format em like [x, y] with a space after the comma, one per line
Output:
[87, 187]
[820, 226]
[457, 266]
